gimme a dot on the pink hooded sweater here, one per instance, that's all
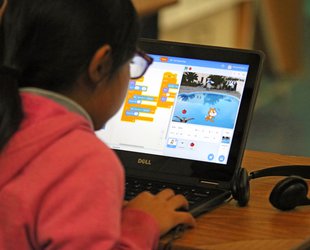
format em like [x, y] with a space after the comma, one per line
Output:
[62, 188]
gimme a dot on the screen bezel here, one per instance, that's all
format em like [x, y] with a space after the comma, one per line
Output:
[163, 166]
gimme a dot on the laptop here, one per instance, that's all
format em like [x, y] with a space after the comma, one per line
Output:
[184, 124]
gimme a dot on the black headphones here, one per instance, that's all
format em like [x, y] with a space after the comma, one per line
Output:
[287, 194]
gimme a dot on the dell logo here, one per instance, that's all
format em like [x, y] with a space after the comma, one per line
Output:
[144, 161]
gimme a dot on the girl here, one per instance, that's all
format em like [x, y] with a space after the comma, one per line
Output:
[65, 66]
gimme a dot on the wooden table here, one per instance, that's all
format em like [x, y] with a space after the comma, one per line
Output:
[257, 226]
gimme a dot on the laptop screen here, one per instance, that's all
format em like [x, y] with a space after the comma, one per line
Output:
[189, 115]
[182, 107]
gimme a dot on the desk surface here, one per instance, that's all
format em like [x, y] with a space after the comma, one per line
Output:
[257, 226]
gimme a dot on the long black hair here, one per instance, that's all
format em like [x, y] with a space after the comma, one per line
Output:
[49, 44]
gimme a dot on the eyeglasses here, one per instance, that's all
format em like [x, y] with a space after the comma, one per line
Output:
[139, 64]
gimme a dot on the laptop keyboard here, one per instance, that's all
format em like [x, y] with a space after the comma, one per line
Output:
[194, 196]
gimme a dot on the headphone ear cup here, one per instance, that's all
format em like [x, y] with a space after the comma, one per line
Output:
[289, 193]
[240, 187]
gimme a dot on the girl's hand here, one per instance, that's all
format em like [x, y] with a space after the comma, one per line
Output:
[164, 208]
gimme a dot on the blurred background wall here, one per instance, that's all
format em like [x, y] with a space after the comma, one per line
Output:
[280, 28]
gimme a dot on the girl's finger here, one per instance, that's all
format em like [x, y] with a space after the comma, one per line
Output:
[178, 201]
[166, 194]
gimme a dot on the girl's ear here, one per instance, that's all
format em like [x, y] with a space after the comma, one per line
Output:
[100, 64]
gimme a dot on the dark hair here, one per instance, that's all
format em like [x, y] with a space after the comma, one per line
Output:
[50, 45]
